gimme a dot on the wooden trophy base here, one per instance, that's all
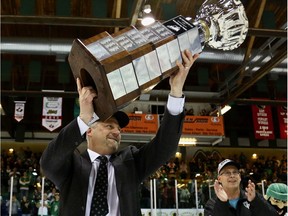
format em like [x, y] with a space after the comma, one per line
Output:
[94, 73]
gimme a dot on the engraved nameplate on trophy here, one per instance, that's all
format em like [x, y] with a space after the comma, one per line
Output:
[165, 44]
[187, 33]
[143, 56]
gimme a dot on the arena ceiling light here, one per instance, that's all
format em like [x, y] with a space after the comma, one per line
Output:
[223, 110]
[147, 17]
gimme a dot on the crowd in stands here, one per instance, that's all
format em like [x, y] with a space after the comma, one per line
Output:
[269, 170]
[23, 166]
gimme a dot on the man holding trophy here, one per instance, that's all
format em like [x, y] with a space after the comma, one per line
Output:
[73, 173]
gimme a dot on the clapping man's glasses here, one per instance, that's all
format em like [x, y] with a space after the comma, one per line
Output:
[228, 173]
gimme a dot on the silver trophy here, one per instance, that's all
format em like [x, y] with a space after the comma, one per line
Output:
[219, 24]
[223, 23]
[122, 66]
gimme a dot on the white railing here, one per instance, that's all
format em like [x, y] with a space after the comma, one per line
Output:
[153, 211]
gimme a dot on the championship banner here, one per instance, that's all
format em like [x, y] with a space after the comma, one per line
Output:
[142, 123]
[52, 113]
[19, 110]
[282, 118]
[203, 125]
[263, 123]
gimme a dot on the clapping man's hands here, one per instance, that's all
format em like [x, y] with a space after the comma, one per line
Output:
[220, 192]
[250, 191]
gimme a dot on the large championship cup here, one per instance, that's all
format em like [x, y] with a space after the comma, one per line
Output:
[122, 66]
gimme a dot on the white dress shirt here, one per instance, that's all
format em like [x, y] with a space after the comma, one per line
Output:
[174, 105]
[112, 196]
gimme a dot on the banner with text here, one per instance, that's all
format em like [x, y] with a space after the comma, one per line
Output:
[193, 125]
[263, 123]
[52, 113]
[19, 110]
[142, 123]
[204, 125]
[282, 118]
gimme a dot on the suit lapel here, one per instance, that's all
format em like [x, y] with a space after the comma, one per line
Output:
[86, 169]
[117, 163]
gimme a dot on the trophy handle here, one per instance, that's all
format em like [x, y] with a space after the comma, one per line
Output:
[90, 72]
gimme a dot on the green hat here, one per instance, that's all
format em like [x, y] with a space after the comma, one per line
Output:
[278, 191]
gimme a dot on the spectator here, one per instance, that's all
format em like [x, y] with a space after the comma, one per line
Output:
[171, 195]
[172, 168]
[283, 171]
[184, 196]
[24, 183]
[242, 158]
[183, 169]
[25, 206]
[4, 177]
[4, 210]
[55, 205]
[51, 194]
[275, 177]
[32, 174]
[231, 199]
[277, 196]
[164, 195]
[36, 197]
[16, 207]
[269, 166]
[16, 175]
[43, 206]
[193, 168]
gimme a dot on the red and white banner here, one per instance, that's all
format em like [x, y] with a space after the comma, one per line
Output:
[263, 122]
[19, 110]
[52, 113]
[282, 118]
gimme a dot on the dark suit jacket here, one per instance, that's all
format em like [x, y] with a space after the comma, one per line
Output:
[69, 170]
[258, 207]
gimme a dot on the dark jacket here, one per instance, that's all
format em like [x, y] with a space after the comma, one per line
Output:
[69, 170]
[258, 207]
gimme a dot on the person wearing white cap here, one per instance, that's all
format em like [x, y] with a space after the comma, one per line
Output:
[75, 173]
[231, 199]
